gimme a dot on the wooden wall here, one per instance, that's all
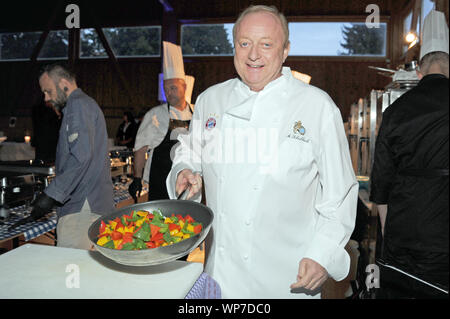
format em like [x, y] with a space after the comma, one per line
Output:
[344, 79]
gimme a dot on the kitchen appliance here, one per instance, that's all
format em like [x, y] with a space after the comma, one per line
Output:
[21, 181]
[121, 163]
[15, 190]
[159, 255]
[366, 116]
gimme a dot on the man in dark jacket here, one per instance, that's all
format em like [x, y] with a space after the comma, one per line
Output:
[409, 183]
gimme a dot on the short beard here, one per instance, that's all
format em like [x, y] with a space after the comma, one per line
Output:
[61, 99]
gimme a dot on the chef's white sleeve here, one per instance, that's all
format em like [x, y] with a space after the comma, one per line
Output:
[188, 152]
[150, 132]
[336, 202]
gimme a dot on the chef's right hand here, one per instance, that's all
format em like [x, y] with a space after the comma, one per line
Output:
[135, 188]
[186, 178]
[42, 205]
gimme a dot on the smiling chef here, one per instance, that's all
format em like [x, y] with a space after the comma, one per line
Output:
[272, 154]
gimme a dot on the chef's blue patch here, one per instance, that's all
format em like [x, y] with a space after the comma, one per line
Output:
[210, 123]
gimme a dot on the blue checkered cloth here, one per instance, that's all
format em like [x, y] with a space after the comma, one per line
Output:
[121, 192]
[205, 288]
[30, 230]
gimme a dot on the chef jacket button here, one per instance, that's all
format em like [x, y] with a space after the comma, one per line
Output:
[221, 249]
[246, 257]
[248, 222]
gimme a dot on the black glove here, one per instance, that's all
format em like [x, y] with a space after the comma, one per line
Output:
[135, 187]
[42, 205]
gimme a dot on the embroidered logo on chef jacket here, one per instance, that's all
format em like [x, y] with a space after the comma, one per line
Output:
[299, 131]
[210, 123]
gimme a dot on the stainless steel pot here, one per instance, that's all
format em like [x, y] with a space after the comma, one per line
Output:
[159, 255]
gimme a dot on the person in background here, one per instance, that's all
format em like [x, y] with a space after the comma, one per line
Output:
[409, 182]
[46, 125]
[273, 157]
[159, 128]
[126, 134]
[81, 189]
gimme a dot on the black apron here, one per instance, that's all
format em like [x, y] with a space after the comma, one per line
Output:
[162, 163]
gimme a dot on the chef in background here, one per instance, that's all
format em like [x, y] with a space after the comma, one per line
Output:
[160, 127]
[409, 181]
[82, 189]
[272, 154]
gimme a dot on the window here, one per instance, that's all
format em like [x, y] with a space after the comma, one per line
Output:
[207, 39]
[90, 45]
[56, 46]
[134, 41]
[427, 6]
[336, 39]
[18, 45]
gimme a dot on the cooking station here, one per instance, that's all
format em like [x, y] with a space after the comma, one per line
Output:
[21, 181]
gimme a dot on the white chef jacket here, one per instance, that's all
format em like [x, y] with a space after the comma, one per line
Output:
[279, 179]
[154, 128]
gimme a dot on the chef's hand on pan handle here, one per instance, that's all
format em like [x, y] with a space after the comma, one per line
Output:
[311, 275]
[135, 188]
[186, 178]
[42, 205]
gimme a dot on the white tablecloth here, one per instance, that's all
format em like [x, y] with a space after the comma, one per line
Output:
[39, 271]
[12, 151]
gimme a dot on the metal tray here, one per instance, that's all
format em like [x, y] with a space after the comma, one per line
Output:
[159, 255]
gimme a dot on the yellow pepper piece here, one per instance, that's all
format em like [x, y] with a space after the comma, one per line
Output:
[174, 232]
[117, 243]
[178, 234]
[165, 244]
[168, 221]
[121, 230]
[186, 236]
[190, 228]
[181, 223]
[142, 213]
[140, 222]
[113, 224]
[128, 229]
[102, 240]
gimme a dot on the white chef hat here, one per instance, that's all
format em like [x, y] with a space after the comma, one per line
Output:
[301, 76]
[173, 67]
[190, 80]
[435, 33]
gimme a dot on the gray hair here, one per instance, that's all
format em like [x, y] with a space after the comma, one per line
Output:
[57, 72]
[269, 9]
[438, 58]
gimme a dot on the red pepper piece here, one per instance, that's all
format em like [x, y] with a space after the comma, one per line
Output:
[197, 228]
[127, 237]
[102, 227]
[157, 236]
[116, 235]
[174, 226]
[150, 244]
[154, 229]
[189, 219]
